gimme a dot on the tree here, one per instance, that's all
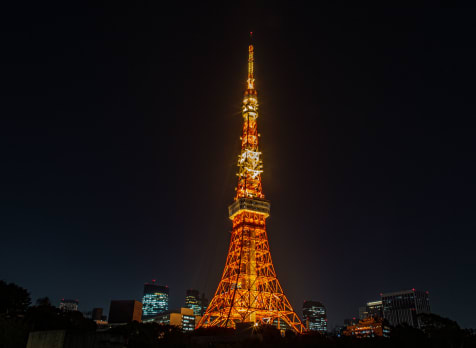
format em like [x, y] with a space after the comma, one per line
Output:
[441, 331]
[45, 317]
[405, 335]
[14, 300]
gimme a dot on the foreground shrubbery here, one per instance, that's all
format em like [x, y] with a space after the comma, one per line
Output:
[18, 317]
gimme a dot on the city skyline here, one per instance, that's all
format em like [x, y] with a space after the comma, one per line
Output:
[120, 137]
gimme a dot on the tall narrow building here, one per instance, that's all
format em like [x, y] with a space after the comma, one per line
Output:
[192, 301]
[249, 291]
[155, 300]
[314, 315]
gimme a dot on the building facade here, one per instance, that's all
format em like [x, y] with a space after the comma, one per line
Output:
[68, 305]
[403, 307]
[192, 301]
[183, 318]
[369, 327]
[374, 309]
[315, 316]
[122, 312]
[155, 300]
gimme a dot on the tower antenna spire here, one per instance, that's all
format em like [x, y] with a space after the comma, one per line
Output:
[251, 79]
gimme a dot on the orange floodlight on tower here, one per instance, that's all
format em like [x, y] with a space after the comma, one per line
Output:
[249, 290]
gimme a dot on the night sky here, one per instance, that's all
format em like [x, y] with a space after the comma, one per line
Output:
[120, 131]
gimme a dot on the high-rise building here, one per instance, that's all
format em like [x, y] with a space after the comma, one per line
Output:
[192, 301]
[315, 316]
[121, 312]
[155, 300]
[403, 307]
[249, 290]
[68, 305]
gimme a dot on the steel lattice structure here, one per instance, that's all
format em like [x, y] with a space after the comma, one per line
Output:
[249, 290]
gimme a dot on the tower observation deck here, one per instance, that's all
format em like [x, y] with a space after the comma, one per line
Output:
[249, 290]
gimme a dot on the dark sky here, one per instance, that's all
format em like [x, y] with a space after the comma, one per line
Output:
[120, 130]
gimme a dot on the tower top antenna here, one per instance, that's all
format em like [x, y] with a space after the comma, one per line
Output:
[251, 80]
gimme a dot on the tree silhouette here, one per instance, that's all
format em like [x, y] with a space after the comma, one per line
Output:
[441, 331]
[14, 300]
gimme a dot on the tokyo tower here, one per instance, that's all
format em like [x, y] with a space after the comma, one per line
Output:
[249, 290]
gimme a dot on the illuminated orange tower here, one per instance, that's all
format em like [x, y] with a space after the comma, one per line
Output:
[249, 290]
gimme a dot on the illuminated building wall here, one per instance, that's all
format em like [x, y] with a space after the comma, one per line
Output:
[192, 301]
[69, 305]
[315, 316]
[155, 300]
[366, 328]
[374, 309]
[403, 307]
[183, 318]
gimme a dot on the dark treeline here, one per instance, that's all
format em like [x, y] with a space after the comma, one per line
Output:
[18, 317]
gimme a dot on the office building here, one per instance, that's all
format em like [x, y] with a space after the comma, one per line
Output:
[369, 327]
[373, 309]
[183, 318]
[315, 316]
[155, 300]
[69, 305]
[403, 307]
[192, 301]
[121, 312]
